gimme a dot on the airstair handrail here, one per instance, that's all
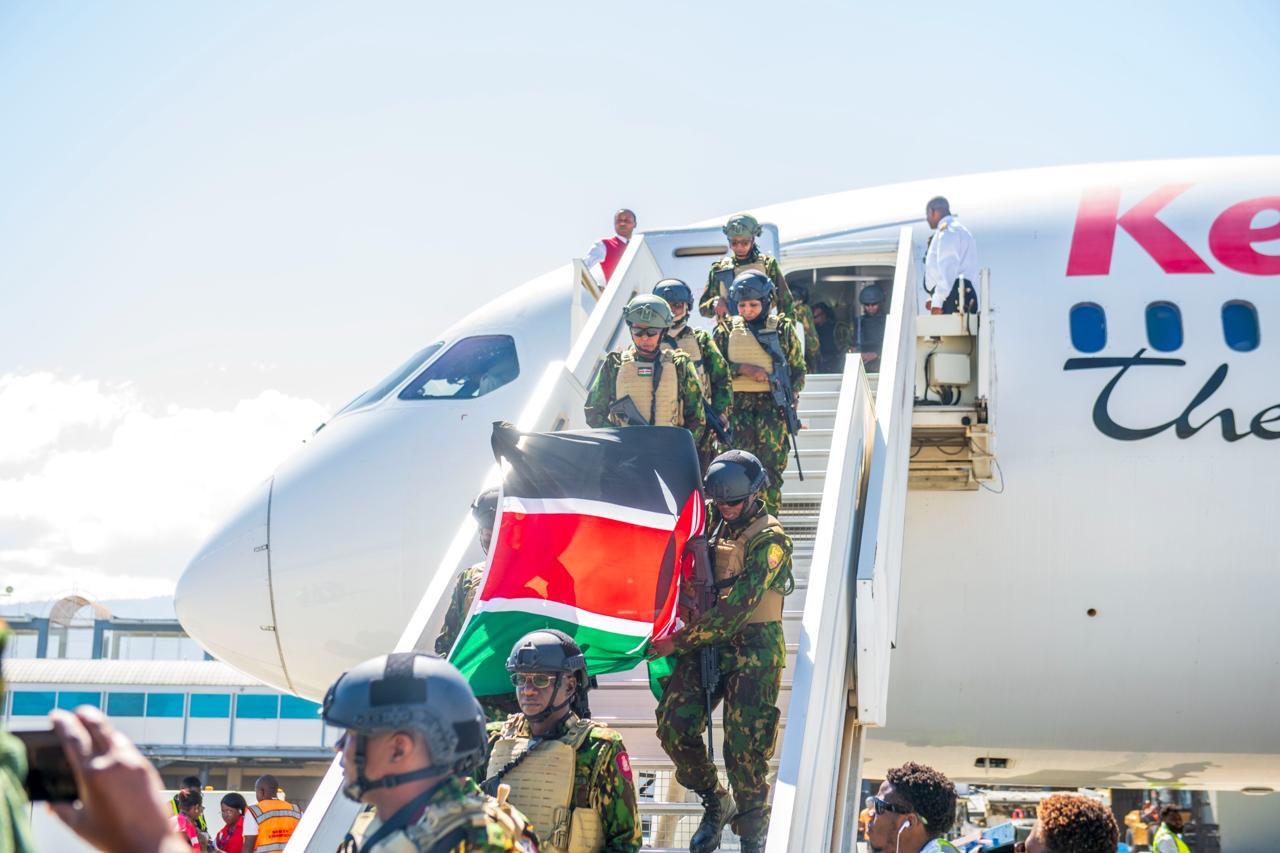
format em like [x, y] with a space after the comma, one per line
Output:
[556, 403]
[805, 800]
[880, 547]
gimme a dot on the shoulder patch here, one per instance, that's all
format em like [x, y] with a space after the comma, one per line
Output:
[775, 555]
[624, 765]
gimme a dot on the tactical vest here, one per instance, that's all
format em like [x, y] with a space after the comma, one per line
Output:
[542, 788]
[738, 269]
[730, 559]
[635, 379]
[277, 820]
[745, 349]
[441, 820]
[1165, 832]
[687, 342]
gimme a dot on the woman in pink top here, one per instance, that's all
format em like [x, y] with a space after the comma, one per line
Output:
[190, 807]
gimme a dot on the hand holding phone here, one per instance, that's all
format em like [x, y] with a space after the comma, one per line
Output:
[120, 808]
[49, 776]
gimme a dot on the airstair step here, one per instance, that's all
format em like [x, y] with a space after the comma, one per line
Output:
[819, 417]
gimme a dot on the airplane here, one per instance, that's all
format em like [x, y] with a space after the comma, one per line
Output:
[1079, 599]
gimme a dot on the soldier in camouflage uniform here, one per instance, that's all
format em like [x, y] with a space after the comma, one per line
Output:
[484, 509]
[662, 383]
[758, 425]
[555, 746]
[804, 319]
[751, 561]
[713, 371]
[412, 724]
[744, 256]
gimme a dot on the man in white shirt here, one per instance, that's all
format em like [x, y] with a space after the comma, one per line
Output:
[951, 262]
[608, 251]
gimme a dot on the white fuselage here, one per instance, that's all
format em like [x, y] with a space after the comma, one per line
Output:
[1104, 620]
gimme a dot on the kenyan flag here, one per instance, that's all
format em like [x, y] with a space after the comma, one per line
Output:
[590, 539]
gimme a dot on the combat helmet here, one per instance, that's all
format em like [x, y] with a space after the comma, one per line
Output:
[872, 294]
[733, 476]
[484, 509]
[673, 290]
[742, 225]
[407, 691]
[752, 285]
[648, 310]
[549, 650]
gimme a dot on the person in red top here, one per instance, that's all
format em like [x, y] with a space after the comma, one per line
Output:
[608, 251]
[231, 837]
[190, 808]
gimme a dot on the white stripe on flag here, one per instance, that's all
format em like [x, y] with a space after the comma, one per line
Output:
[598, 509]
[566, 613]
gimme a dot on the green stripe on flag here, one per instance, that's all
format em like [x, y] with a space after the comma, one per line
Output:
[481, 652]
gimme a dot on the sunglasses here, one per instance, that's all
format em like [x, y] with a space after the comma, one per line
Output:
[644, 332]
[539, 680]
[740, 241]
[880, 806]
[728, 503]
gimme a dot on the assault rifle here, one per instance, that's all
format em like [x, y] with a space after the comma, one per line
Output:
[724, 433]
[780, 387]
[626, 411]
[708, 659]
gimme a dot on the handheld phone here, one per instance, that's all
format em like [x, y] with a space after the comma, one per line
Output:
[49, 776]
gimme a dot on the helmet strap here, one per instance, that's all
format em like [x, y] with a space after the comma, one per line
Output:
[553, 708]
[363, 784]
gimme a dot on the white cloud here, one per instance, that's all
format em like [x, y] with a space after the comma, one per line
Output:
[111, 511]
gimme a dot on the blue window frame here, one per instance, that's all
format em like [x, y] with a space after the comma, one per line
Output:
[1240, 326]
[470, 368]
[126, 704]
[1164, 326]
[1088, 327]
[257, 707]
[165, 704]
[69, 699]
[293, 708]
[33, 703]
[215, 706]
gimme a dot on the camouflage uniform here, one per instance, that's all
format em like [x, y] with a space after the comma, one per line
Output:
[758, 427]
[15, 811]
[602, 780]
[464, 592]
[752, 657]
[460, 819]
[804, 316]
[783, 300]
[689, 389]
[720, 394]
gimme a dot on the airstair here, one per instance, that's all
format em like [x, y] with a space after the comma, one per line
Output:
[845, 518]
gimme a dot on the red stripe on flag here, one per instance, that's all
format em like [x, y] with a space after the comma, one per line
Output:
[592, 563]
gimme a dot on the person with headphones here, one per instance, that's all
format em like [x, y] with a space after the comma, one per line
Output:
[412, 732]
[914, 808]
[744, 256]
[568, 773]
[484, 509]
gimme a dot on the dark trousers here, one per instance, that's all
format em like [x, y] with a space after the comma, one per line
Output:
[951, 304]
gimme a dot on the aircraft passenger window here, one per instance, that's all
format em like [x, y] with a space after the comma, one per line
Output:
[470, 368]
[1240, 326]
[389, 384]
[1088, 327]
[1164, 326]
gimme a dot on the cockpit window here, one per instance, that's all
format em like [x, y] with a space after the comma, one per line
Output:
[470, 368]
[1164, 326]
[389, 384]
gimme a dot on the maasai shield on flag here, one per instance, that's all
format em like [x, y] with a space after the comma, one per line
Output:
[590, 539]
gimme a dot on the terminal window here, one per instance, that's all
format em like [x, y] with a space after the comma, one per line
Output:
[251, 707]
[126, 704]
[71, 699]
[30, 703]
[211, 705]
[165, 704]
[293, 708]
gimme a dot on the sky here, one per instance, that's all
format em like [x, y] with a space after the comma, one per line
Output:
[220, 222]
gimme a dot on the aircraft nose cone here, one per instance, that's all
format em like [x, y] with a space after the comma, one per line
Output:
[223, 599]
